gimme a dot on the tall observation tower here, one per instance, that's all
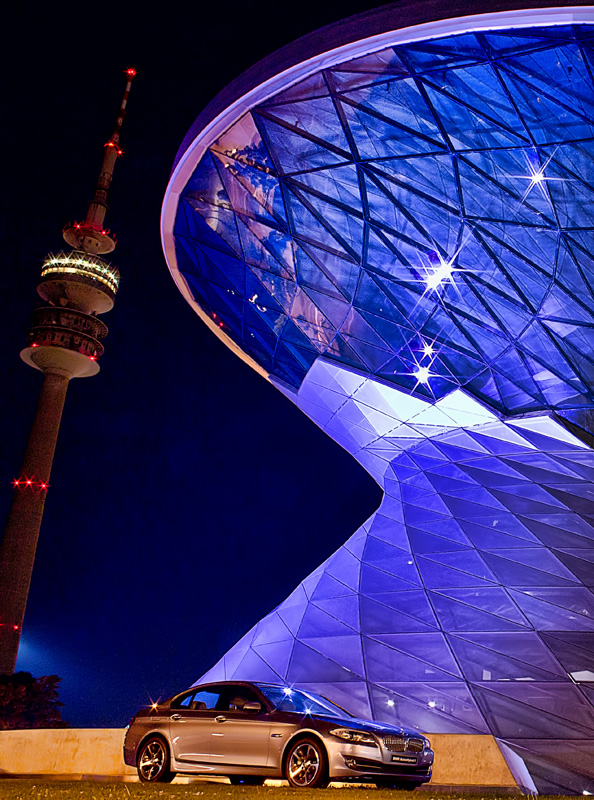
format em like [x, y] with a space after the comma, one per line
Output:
[64, 342]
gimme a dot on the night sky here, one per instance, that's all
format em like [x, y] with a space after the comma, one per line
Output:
[188, 497]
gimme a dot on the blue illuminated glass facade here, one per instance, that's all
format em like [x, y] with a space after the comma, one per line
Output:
[404, 242]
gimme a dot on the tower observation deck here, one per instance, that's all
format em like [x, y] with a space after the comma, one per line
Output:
[392, 220]
[64, 342]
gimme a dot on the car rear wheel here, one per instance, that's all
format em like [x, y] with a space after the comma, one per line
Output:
[306, 765]
[246, 780]
[152, 762]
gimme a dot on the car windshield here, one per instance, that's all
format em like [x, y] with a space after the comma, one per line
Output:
[285, 699]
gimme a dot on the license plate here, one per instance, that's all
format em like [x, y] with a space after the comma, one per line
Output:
[405, 759]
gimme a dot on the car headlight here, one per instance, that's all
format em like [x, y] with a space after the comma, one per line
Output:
[355, 737]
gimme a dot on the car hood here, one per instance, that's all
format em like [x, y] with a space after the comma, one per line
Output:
[368, 725]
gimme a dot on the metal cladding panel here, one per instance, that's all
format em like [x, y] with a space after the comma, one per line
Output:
[403, 241]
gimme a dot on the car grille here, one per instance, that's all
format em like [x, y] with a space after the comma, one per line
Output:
[400, 744]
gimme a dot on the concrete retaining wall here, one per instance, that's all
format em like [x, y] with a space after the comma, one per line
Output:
[76, 751]
[460, 760]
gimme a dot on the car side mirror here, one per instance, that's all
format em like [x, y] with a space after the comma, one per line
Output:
[253, 706]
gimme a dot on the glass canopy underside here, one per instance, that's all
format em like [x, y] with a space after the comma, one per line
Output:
[420, 221]
[423, 211]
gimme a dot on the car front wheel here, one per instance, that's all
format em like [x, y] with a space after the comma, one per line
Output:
[152, 762]
[306, 765]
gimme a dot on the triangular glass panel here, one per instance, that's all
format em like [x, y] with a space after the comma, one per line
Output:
[468, 129]
[313, 86]
[338, 184]
[513, 573]
[487, 538]
[425, 543]
[464, 560]
[271, 629]
[492, 599]
[447, 51]
[276, 655]
[253, 668]
[244, 142]
[415, 603]
[307, 226]
[375, 580]
[509, 718]
[577, 599]
[479, 88]
[251, 192]
[437, 707]
[314, 117]
[367, 69]
[559, 72]
[308, 665]
[482, 664]
[211, 225]
[383, 663]
[378, 618]
[342, 272]
[547, 617]
[400, 102]
[379, 138]
[505, 43]
[294, 152]
[328, 587]
[575, 651]
[439, 576]
[345, 609]
[549, 122]
[565, 702]
[429, 647]
[458, 616]
[318, 623]
[344, 650]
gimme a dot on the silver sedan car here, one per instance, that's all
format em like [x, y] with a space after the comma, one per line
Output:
[253, 731]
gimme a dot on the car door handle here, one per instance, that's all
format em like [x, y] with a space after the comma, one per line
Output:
[220, 719]
[175, 716]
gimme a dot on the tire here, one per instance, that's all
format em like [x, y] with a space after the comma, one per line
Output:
[403, 785]
[246, 780]
[306, 765]
[152, 761]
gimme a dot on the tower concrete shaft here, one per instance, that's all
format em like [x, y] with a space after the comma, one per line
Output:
[17, 550]
[63, 343]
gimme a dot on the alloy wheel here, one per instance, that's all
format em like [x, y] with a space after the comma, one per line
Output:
[304, 764]
[152, 760]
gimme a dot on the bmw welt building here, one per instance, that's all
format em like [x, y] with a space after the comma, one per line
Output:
[392, 220]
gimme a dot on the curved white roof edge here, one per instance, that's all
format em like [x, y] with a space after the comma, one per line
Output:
[520, 18]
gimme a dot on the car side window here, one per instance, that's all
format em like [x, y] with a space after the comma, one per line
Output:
[238, 696]
[205, 699]
[183, 701]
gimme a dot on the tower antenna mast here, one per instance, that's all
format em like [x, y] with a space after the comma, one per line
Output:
[63, 342]
[90, 235]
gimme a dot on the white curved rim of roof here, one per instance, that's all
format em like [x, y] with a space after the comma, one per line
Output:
[518, 18]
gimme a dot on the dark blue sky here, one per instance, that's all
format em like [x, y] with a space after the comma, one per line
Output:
[188, 497]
